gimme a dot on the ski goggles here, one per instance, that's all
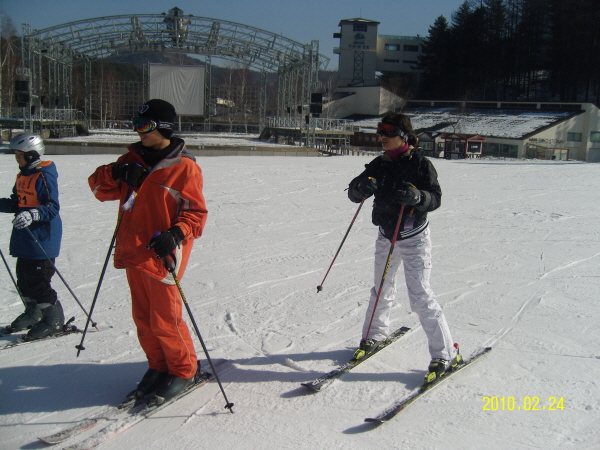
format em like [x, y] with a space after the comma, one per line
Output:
[391, 130]
[146, 125]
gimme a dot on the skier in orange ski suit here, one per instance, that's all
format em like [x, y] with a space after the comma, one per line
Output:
[162, 209]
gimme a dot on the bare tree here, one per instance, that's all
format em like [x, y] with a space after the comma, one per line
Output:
[9, 61]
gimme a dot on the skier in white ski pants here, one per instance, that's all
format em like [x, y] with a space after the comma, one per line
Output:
[405, 187]
[414, 254]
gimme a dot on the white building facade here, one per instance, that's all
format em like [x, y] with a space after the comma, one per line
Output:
[363, 52]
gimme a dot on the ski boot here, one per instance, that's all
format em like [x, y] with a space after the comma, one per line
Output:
[53, 320]
[148, 384]
[31, 316]
[366, 347]
[172, 386]
[438, 367]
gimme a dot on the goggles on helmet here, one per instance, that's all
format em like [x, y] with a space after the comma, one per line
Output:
[146, 125]
[390, 130]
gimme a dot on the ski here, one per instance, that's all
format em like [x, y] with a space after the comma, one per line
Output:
[390, 413]
[324, 381]
[125, 423]
[90, 422]
[119, 424]
[68, 329]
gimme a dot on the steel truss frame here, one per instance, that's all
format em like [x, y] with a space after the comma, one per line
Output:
[56, 49]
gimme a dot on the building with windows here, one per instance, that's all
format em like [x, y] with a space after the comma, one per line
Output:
[551, 131]
[454, 129]
[363, 53]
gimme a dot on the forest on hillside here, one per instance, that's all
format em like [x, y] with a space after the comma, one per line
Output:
[514, 50]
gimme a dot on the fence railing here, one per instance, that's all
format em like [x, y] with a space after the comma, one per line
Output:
[43, 114]
[320, 123]
[349, 150]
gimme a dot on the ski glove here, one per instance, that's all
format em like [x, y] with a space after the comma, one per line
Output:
[132, 174]
[367, 187]
[408, 195]
[360, 189]
[26, 218]
[165, 242]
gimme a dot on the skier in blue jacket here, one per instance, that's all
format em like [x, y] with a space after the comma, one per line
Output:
[34, 202]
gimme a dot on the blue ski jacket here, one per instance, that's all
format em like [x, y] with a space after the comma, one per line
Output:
[36, 187]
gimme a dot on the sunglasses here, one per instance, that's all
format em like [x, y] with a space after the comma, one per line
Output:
[391, 130]
[146, 125]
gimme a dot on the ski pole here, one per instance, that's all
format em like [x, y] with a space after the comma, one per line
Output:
[320, 287]
[60, 276]
[171, 268]
[12, 278]
[385, 271]
[80, 347]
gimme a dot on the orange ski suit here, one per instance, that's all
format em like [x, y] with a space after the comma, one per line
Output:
[170, 195]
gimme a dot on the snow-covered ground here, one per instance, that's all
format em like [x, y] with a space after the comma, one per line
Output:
[516, 267]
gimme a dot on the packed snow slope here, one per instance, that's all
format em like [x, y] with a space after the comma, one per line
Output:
[516, 267]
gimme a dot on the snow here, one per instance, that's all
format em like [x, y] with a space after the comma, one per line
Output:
[516, 264]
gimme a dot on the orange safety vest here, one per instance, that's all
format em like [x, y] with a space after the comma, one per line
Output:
[26, 193]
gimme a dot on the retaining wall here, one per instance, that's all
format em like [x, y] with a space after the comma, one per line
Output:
[101, 148]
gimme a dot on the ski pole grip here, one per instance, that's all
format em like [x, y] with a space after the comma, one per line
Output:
[170, 264]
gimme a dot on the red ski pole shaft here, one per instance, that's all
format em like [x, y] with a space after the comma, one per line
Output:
[385, 271]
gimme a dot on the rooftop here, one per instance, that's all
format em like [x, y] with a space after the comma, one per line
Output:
[500, 123]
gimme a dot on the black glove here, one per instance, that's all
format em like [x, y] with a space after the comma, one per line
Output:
[359, 189]
[367, 187]
[408, 195]
[165, 242]
[132, 174]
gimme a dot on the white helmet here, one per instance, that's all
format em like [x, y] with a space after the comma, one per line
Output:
[28, 142]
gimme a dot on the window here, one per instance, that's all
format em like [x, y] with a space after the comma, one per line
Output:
[500, 150]
[427, 145]
[595, 136]
[392, 60]
[393, 47]
[574, 137]
[359, 27]
[406, 61]
[411, 48]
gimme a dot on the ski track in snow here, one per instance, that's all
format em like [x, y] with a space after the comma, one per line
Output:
[515, 266]
[515, 319]
[568, 266]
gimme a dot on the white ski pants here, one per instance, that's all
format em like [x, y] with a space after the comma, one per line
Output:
[415, 253]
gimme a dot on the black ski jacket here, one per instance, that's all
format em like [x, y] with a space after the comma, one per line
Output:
[412, 167]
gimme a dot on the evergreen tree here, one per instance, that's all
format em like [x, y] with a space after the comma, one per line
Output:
[575, 49]
[434, 61]
[466, 34]
[495, 52]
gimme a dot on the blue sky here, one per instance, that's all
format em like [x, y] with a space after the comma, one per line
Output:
[299, 20]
